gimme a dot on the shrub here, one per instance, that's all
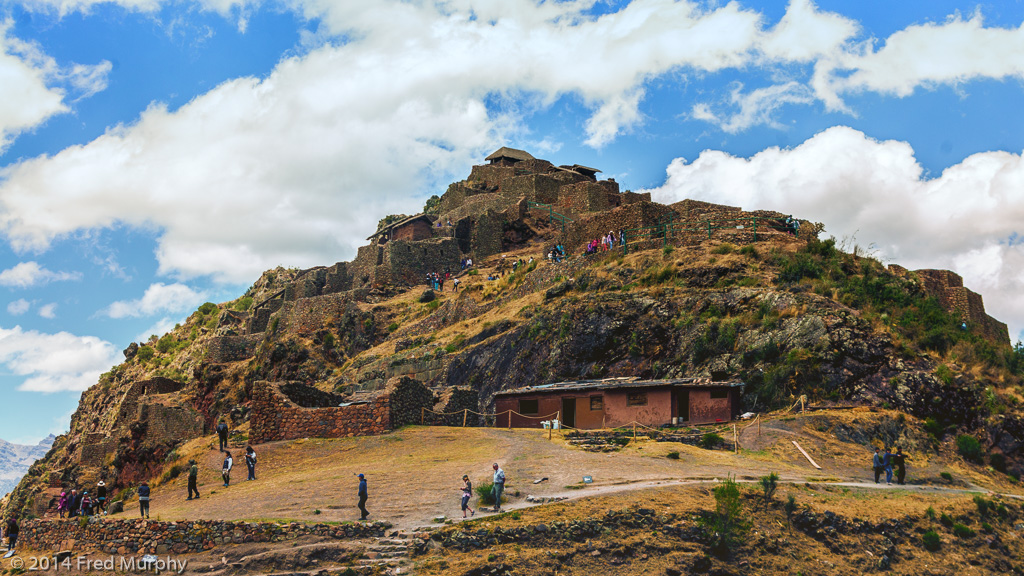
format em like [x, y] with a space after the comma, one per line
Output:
[172, 473]
[930, 513]
[789, 506]
[165, 344]
[998, 461]
[961, 531]
[986, 527]
[946, 520]
[969, 447]
[931, 541]
[672, 456]
[710, 440]
[723, 249]
[393, 326]
[243, 304]
[983, 505]
[667, 250]
[145, 354]
[726, 526]
[768, 485]
[485, 493]
[946, 476]
[207, 308]
[473, 272]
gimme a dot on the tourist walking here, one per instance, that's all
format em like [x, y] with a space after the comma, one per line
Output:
[877, 464]
[11, 530]
[101, 497]
[467, 491]
[499, 486]
[225, 470]
[222, 433]
[73, 503]
[887, 463]
[144, 500]
[193, 476]
[86, 509]
[900, 460]
[363, 495]
[62, 504]
[250, 462]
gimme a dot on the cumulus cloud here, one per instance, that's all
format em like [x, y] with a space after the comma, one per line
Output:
[55, 362]
[158, 298]
[967, 219]
[28, 274]
[18, 307]
[48, 310]
[755, 107]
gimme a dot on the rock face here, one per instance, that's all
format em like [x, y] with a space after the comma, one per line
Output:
[15, 460]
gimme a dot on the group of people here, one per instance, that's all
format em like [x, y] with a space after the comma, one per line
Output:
[556, 253]
[75, 503]
[792, 225]
[436, 281]
[606, 242]
[885, 461]
[466, 263]
[466, 490]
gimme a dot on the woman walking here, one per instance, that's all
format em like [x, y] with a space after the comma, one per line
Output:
[225, 471]
[250, 462]
[144, 500]
[467, 491]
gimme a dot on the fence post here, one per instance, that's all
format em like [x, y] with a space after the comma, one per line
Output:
[625, 243]
[421, 415]
[758, 425]
[755, 228]
[735, 441]
[465, 414]
[634, 431]
[509, 419]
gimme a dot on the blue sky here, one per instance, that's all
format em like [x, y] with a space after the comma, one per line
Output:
[157, 154]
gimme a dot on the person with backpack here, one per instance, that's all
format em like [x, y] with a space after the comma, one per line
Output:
[101, 497]
[250, 462]
[62, 505]
[222, 433]
[877, 464]
[86, 509]
[144, 500]
[193, 476]
[11, 530]
[225, 470]
[363, 495]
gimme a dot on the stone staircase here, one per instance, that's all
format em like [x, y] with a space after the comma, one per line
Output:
[393, 552]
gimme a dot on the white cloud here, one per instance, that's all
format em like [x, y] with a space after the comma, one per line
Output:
[968, 219]
[18, 307]
[161, 327]
[27, 99]
[55, 362]
[158, 298]
[755, 107]
[48, 310]
[29, 274]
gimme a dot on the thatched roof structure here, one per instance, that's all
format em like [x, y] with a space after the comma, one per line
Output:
[510, 153]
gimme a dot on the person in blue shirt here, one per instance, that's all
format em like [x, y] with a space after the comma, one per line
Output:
[362, 497]
[887, 463]
[499, 486]
[877, 464]
[144, 500]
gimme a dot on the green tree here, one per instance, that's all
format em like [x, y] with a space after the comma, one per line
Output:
[726, 527]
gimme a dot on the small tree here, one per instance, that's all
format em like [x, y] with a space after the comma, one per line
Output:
[768, 485]
[969, 448]
[790, 508]
[726, 526]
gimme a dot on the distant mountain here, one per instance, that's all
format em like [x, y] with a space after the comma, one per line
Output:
[16, 458]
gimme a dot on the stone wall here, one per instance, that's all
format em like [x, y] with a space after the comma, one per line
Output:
[964, 304]
[223, 349]
[152, 537]
[310, 397]
[408, 398]
[585, 197]
[534, 187]
[451, 404]
[621, 218]
[169, 423]
[416, 230]
[490, 174]
[95, 449]
[307, 316]
[275, 417]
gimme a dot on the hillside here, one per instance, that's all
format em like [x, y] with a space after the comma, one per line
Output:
[698, 290]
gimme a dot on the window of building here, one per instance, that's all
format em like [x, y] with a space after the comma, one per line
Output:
[636, 399]
[596, 403]
[719, 394]
[529, 406]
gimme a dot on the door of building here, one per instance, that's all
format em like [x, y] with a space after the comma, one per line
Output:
[683, 405]
[569, 412]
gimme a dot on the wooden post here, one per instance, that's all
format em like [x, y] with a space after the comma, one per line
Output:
[735, 441]
[758, 425]
[634, 431]
[465, 415]
[551, 426]
[509, 419]
[802, 409]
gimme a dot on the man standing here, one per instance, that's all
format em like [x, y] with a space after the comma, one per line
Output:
[900, 460]
[143, 500]
[222, 432]
[101, 497]
[193, 475]
[887, 464]
[12, 532]
[877, 462]
[499, 486]
[362, 497]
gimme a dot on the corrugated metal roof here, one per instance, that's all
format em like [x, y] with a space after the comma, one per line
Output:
[618, 383]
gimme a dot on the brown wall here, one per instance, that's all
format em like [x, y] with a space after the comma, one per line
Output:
[275, 417]
[661, 407]
[415, 230]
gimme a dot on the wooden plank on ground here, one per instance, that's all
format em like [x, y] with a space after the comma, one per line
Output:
[806, 455]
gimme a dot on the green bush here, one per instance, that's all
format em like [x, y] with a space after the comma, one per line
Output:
[930, 513]
[986, 527]
[472, 272]
[969, 447]
[723, 249]
[946, 476]
[961, 531]
[207, 308]
[710, 440]
[145, 354]
[243, 304]
[392, 327]
[946, 520]
[726, 527]
[672, 455]
[769, 484]
[983, 505]
[485, 493]
[931, 541]
[998, 461]
[165, 343]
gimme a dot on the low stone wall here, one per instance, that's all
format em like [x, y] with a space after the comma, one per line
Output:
[233, 348]
[152, 537]
[275, 417]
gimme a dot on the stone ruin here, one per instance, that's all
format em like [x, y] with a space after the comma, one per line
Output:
[948, 288]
